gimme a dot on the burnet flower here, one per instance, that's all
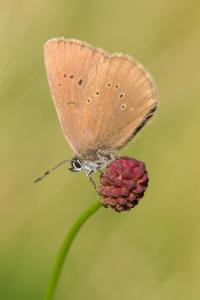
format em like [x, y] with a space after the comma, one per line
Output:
[123, 184]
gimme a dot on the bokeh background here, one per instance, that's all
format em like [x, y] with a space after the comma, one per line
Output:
[149, 253]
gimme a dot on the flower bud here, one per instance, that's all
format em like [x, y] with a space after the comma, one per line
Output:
[123, 183]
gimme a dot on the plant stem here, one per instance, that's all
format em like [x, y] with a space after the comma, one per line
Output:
[66, 246]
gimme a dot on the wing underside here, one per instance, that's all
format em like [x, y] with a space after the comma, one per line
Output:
[101, 100]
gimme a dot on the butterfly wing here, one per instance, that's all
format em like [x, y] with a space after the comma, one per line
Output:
[118, 99]
[68, 62]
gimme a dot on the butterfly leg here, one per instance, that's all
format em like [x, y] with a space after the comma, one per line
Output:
[89, 175]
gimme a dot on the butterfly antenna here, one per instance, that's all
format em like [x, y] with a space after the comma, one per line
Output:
[51, 170]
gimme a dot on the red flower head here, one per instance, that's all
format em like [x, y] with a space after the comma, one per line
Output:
[123, 183]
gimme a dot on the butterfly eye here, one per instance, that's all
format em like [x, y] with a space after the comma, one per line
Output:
[76, 165]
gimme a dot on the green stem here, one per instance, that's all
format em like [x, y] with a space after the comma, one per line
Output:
[66, 246]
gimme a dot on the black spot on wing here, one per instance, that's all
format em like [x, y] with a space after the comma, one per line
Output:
[80, 81]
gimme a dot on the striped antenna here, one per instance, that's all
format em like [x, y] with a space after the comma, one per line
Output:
[51, 170]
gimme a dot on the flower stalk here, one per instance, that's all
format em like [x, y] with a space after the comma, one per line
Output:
[64, 250]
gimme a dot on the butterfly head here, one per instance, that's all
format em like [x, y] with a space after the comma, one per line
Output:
[87, 166]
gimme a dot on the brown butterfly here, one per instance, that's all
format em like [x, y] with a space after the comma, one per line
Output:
[102, 100]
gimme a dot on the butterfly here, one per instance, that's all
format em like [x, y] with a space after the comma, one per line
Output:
[102, 100]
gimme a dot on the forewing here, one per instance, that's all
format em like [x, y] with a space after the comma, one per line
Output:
[119, 97]
[68, 63]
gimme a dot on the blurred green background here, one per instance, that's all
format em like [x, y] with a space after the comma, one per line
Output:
[152, 252]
